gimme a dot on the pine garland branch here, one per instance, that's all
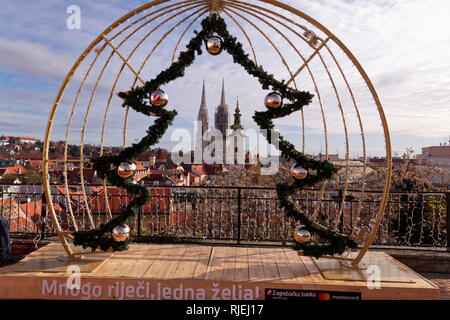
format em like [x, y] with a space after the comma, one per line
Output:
[136, 99]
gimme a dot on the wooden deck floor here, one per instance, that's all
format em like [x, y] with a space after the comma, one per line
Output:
[191, 271]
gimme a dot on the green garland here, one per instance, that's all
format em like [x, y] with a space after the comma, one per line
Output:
[136, 99]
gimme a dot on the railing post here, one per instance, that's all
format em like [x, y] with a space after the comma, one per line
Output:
[44, 215]
[447, 203]
[239, 216]
[341, 195]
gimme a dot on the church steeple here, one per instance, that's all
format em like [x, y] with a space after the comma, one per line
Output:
[203, 112]
[204, 122]
[222, 97]
[222, 118]
[237, 118]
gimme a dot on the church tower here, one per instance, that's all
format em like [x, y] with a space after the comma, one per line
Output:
[222, 119]
[238, 137]
[203, 119]
[237, 118]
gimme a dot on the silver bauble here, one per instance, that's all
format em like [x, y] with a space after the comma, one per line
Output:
[298, 172]
[214, 45]
[302, 235]
[273, 100]
[126, 170]
[121, 233]
[159, 98]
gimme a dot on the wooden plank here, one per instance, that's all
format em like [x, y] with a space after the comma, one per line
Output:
[160, 261]
[284, 269]
[215, 268]
[152, 255]
[299, 270]
[188, 263]
[313, 270]
[131, 262]
[171, 262]
[37, 253]
[230, 264]
[203, 262]
[255, 265]
[241, 272]
[270, 267]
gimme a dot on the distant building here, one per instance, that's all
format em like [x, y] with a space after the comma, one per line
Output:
[147, 159]
[323, 157]
[7, 140]
[437, 155]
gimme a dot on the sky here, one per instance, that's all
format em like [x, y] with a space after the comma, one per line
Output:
[403, 45]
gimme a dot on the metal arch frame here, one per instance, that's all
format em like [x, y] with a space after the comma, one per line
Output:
[214, 5]
[99, 51]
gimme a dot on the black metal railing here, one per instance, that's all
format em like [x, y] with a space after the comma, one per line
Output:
[230, 213]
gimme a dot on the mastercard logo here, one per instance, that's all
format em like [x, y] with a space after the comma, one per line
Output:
[324, 296]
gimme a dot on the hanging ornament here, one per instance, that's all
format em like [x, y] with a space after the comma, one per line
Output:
[214, 45]
[273, 100]
[302, 235]
[159, 98]
[126, 170]
[121, 233]
[298, 172]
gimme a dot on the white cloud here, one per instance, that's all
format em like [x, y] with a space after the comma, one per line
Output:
[33, 59]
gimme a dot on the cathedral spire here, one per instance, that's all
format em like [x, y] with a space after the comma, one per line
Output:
[203, 112]
[222, 98]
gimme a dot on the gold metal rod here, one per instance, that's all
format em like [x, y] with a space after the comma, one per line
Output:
[172, 8]
[182, 36]
[148, 58]
[283, 60]
[140, 70]
[308, 60]
[313, 80]
[121, 57]
[246, 36]
[49, 127]
[377, 101]
[279, 53]
[106, 112]
[83, 188]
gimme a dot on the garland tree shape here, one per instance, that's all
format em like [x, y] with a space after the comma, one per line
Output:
[138, 99]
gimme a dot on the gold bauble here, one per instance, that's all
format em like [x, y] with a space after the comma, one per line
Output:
[126, 170]
[298, 172]
[121, 233]
[273, 100]
[214, 45]
[159, 98]
[302, 235]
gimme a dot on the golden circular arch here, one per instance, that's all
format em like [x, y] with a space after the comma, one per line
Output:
[258, 16]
